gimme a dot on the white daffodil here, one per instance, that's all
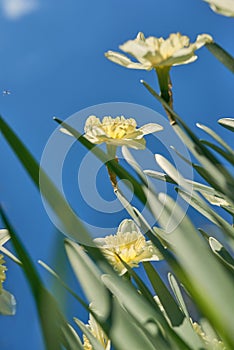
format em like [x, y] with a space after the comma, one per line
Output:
[98, 333]
[118, 131]
[128, 244]
[223, 7]
[7, 300]
[155, 53]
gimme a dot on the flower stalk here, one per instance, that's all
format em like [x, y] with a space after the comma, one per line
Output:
[165, 85]
[111, 151]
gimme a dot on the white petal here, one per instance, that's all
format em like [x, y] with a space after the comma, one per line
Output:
[201, 40]
[127, 226]
[150, 128]
[124, 61]
[4, 237]
[224, 7]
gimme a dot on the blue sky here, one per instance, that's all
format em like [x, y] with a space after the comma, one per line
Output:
[52, 61]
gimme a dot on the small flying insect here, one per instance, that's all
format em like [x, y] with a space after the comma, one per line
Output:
[6, 92]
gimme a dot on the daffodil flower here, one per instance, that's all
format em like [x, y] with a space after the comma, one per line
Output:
[98, 333]
[128, 245]
[155, 52]
[117, 131]
[223, 7]
[7, 300]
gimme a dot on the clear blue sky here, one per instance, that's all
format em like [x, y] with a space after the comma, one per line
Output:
[52, 61]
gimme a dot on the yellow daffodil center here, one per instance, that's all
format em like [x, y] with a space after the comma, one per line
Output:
[118, 128]
[128, 247]
[2, 272]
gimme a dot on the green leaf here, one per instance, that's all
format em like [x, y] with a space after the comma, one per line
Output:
[205, 210]
[7, 303]
[43, 299]
[89, 277]
[96, 345]
[142, 312]
[177, 292]
[159, 176]
[203, 277]
[70, 338]
[216, 137]
[229, 157]
[54, 274]
[174, 313]
[227, 123]
[125, 333]
[216, 174]
[191, 195]
[141, 285]
[221, 252]
[223, 56]
[181, 324]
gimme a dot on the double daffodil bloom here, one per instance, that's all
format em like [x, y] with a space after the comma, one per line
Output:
[118, 131]
[128, 245]
[223, 7]
[156, 53]
[98, 333]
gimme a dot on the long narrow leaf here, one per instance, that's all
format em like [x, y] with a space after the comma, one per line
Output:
[223, 56]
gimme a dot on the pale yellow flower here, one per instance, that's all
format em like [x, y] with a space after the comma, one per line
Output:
[155, 52]
[223, 7]
[98, 333]
[129, 244]
[7, 300]
[118, 131]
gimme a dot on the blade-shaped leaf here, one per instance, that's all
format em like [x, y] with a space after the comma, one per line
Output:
[89, 277]
[205, 210]
[223, 56]
[221, 252]
[216, 137]
[70, 338]
[202, 273]
[226, 155]
[49, 321]
[177, 319]
[216, 174]
[96, 345]
[227, 123]
[177, 292]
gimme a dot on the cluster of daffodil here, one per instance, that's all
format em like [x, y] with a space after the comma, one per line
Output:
[123, 312]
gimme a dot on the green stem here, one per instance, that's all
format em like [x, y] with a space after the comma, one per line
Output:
[164, 80]
[111, 151]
